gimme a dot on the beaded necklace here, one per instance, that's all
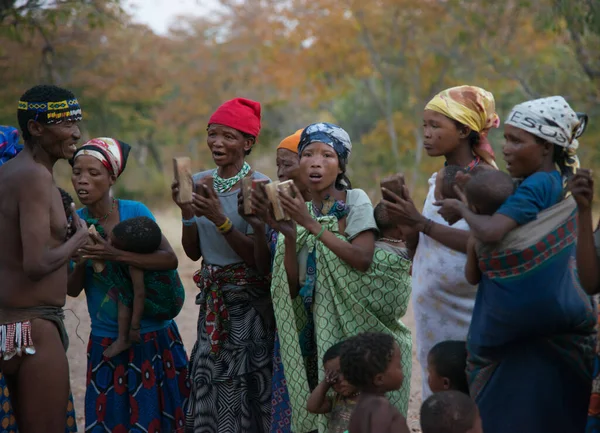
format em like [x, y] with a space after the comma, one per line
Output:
[96, 221]
[224, 185]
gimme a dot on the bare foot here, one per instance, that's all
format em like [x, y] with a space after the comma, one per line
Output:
[120, 345]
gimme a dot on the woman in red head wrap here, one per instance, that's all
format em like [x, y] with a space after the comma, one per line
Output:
[230, 366]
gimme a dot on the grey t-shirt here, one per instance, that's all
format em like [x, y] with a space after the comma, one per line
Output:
[214, 248]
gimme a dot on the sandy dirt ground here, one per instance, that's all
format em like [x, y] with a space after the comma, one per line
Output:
[78, 326]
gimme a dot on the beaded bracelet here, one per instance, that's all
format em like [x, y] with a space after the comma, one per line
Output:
[226, 227]
[427, 227]
[188, 223]
[320, 233]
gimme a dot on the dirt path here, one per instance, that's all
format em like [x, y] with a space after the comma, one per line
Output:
[186, 321]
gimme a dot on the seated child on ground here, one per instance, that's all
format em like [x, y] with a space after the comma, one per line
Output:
[372, 362]
[446, 365]
[390, 234]
[450, 412]
[158, 295]
[340, 406]
[486, 192]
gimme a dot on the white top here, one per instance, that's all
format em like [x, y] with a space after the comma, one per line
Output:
[443, 300]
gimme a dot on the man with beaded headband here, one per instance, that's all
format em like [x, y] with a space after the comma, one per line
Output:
[33, 261]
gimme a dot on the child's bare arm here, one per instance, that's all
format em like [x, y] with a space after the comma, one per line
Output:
[318, 402]
[472, 271]
[139, 296]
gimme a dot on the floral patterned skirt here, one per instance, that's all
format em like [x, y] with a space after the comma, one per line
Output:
[141, 390]
[8, 423]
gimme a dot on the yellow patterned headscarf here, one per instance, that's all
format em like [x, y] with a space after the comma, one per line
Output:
[474, 107]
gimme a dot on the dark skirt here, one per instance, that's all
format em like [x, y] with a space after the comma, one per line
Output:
[141, 390]
[231, 390]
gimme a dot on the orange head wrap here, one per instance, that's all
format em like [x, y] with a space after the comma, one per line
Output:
[291, 143]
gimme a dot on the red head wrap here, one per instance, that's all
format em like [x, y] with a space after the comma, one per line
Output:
[239, 113]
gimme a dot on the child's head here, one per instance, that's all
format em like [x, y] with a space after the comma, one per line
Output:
[385, 224]
[331, 364]
[450, 412]
[372, 362]
[137, 235]
[487, 190]
[446, 179]
[66, 200]
[446, 365]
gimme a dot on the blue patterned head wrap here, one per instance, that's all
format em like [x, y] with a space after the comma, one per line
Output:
[9, 143]
[329, 134]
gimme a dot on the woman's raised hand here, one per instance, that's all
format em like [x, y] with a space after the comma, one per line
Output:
[581, 186]
[185, 207]
[101, 250]
[296, 208]
[251, 219]
[402, 209]
[208, 205]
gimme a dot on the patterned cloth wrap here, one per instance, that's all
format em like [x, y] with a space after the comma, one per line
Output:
[8, 422]
[141, 390]
[165, 293]
[345, 302]
[209, 280]
[9, 143]
[593, 423]
[230, 366]
[532, 315]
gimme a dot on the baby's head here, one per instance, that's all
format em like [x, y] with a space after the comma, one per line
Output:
[331, 364]
[446, 179]
[450, 412]
[385, 225]
[487, 190]
[372, 362]
[66, 200]
[137, 235]
[446, 365]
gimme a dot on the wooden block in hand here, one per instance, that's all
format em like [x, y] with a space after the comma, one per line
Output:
[247, 194]
[394, 183]
[206, 180]
[98, 265]
[183, 175]
[273, 196]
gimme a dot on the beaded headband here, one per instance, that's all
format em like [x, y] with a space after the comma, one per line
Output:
[55, 112]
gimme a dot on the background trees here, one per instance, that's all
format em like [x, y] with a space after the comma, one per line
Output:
[369, 66]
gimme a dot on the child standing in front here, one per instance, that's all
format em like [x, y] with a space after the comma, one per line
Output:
[450, 412]
[341, 405]
[372, 362]
[447, 365]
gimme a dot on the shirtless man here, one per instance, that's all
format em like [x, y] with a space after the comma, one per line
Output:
[33, 261]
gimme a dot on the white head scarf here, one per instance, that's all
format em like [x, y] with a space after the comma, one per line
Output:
[552, 119]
